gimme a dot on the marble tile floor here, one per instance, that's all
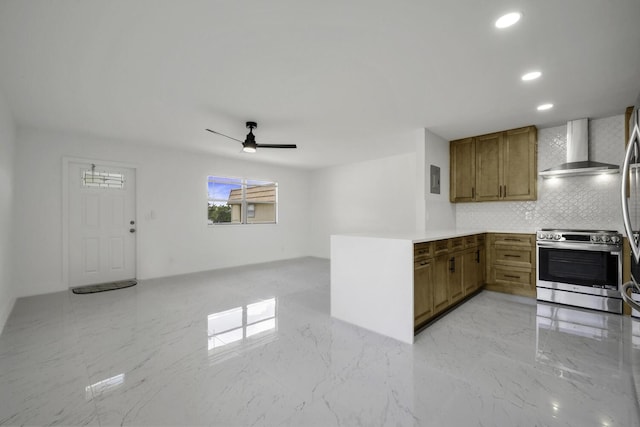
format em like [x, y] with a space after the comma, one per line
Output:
[255, 346]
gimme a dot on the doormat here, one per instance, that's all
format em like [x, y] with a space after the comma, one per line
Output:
[102, 287]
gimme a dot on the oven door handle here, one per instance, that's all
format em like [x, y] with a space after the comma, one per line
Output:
[633, 149]
[614, 250]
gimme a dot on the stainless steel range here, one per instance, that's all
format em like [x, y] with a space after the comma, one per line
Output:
[582, 268]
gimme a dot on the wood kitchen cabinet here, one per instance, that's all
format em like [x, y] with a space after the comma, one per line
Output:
[456, 285]
[441, 284]
[422, 282]
[496, 166]
[463, 177]
[489, 167]
[445, 272]
[512, 264]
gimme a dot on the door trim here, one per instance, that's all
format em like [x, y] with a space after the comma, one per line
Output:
[65, 207]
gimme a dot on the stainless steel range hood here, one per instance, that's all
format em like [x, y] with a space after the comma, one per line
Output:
[578, 162]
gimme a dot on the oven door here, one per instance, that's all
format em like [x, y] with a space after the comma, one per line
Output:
[583, 268]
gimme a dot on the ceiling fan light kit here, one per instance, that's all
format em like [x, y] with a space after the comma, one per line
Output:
[249, 145]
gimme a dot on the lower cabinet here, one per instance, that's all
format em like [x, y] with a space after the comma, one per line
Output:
[471, 268]
[512, 263]
[456, 285]
[445, 273]
[423, 292]
[440, 284]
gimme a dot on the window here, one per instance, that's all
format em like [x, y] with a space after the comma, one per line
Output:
[93, 178]
[241, 201]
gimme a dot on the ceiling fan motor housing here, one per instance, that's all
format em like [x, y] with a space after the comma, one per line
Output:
[249, 144]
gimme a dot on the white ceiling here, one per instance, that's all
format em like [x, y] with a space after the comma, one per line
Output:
[345, 80]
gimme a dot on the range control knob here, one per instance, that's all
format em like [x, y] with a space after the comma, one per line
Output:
[615, 239]
[606, 239]
[557, 236]
[594, 238]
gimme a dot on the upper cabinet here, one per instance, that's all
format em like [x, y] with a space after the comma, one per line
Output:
[463, 174]
[497, 166]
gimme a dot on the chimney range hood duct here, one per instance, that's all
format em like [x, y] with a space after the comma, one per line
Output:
[578, 162]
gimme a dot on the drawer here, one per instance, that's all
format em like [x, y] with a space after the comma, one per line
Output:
[514, 256]
[456, 244]
[480, 239]
[440, 247]
[470, 241]
[421, 262]
[514, 239]
[513, 276]
[422, 249]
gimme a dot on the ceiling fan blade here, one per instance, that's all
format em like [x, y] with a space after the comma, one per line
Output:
[276, 146]
[226, 136]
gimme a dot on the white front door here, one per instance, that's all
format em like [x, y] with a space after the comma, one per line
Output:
[102, 224]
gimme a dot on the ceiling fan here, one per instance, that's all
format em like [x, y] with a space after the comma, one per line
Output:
[249, 145]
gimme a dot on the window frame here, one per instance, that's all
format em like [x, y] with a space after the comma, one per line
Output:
[244, 184]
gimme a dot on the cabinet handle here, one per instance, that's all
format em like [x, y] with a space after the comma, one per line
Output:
[512, 239]
[511, 256]
[478, 256]
[512, 277]
[452, 265]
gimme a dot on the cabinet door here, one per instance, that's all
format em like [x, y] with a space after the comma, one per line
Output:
[488, 167]
[470, 270]
[423, 292]
[441, 284]
[462, 175]
[520, 164]
[482, 267]
[456, 286]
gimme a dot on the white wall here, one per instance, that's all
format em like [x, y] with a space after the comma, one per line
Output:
[172, 184]
[375, 195]
[439, 212]
[7, 151]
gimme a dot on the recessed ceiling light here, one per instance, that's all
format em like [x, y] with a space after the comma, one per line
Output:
[531, 76]
[545, 107]
[508, 20]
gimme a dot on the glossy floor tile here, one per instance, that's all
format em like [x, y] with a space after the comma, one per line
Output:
[255, 346]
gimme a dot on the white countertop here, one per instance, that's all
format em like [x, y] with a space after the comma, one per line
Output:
[428, 236]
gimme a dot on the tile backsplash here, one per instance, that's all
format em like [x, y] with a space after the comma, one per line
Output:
[581, 202]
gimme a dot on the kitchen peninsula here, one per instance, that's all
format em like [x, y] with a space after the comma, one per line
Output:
[393, 283]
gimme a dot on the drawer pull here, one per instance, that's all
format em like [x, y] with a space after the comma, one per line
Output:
[512, 256]
[513, 239]
[511, 277]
